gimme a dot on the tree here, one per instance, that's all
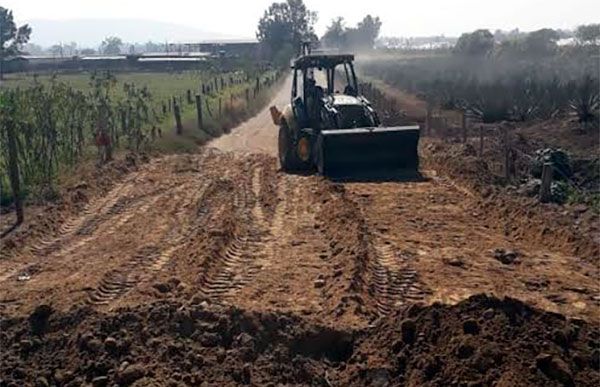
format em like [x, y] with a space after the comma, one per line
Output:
[541, 42]
[111, 45]
[153, 47]
[363, 36]
[588, 34]
[70, 49]
[480, 42]
[87, 51]
[11, 37]
[57, 50]
[335, 35]
[33, 49]
[368, 31]
[284, 26]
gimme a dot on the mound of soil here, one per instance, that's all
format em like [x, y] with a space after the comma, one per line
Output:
[480, 341]
[166, 343]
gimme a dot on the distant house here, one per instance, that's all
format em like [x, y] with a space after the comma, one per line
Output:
[15, 64]
[248, 47]
[180, 56]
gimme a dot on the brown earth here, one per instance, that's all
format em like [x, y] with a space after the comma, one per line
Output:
[217, 268]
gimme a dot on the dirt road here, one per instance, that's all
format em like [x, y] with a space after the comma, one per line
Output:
[226, 226]
[257, 135]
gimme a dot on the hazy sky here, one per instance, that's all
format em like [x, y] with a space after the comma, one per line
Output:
[400, 18]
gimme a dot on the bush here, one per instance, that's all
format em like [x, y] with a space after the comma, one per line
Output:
[559, 159]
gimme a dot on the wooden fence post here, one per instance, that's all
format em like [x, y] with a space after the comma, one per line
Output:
[189, 96]
[208, 107]
[199, 111]
[179, 127]
[104, 134]
[545, 188]
[220, 106]
[247, 96]
[13, 170]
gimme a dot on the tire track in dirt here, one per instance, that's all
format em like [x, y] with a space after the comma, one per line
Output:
[43, 246]
[136, 195]
[202, 203]
[102, 208]
[298, 275]
[383, 273]
[149, 259]
[236, 264]
[394, 279]
[78, 233]
[129, 273]
[98, 209]
[129, 245]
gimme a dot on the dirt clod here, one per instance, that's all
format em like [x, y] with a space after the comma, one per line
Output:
[408, 329]
[39, 318]
[111, 344]
[163, 287]
[471, 327]
[100, 381]
[507, 257]
[464, 351]
[319, 283]
[130, 374]
[554, 368]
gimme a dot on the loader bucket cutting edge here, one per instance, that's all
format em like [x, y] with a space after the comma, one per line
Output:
[346, 151]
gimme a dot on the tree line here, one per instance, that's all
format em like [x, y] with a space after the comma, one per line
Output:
[542, 42]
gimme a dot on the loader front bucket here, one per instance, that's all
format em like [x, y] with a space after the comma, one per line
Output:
[345, 152]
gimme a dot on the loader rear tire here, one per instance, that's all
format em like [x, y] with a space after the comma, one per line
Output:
[288, 158]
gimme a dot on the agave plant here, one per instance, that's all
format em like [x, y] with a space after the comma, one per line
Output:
[585, 103]
[491, 102]
[525, 99]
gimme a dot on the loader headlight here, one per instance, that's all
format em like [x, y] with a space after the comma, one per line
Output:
[304, 149]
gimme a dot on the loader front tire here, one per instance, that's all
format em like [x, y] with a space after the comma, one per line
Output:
[288, 158]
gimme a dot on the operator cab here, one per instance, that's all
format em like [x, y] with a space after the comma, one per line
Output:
[315, 85]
